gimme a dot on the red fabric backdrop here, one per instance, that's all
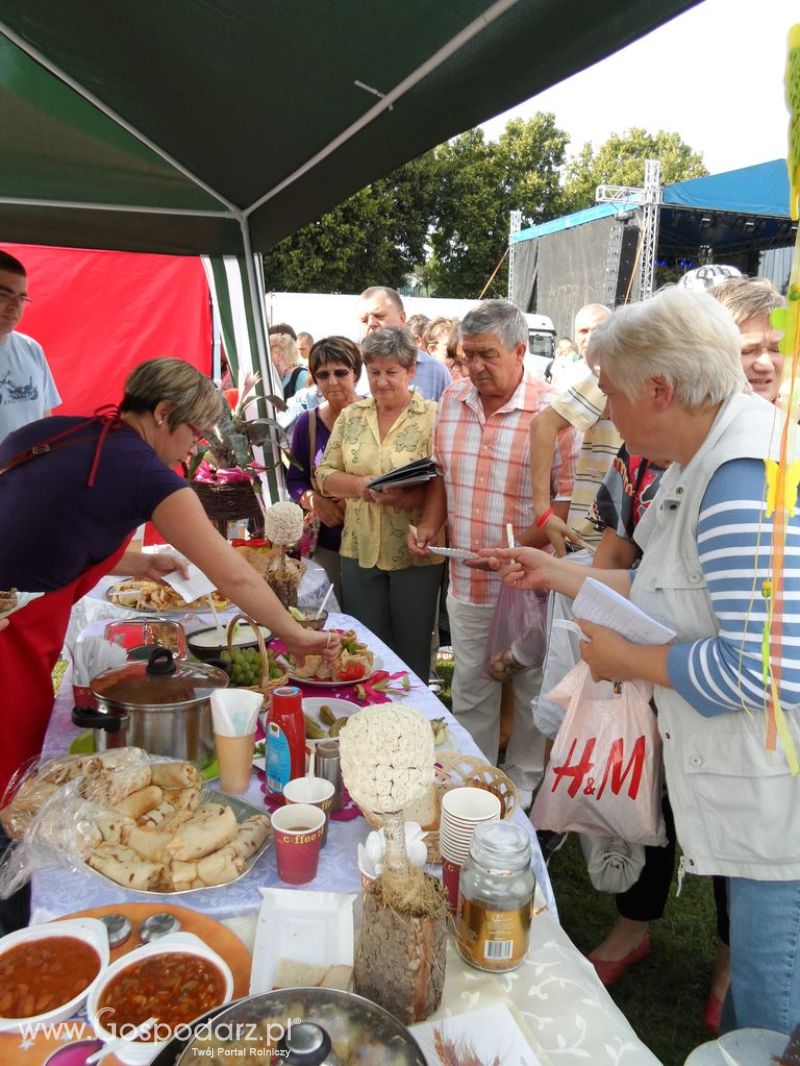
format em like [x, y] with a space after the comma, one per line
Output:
[99, 314]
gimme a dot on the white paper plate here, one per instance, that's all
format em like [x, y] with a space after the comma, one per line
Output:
[377, 664]
[453, 553]
[23, 599]
[742, 1047]
[311, 927]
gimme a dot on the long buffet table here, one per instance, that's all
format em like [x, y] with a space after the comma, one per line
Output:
[567, 1014]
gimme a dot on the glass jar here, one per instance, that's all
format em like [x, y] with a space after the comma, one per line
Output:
[495, 898]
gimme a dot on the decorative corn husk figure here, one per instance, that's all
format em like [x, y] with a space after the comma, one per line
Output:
[283, 528]
[387, 763]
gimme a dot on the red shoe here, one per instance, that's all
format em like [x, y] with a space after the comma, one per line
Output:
[712, 1014]
[610, 972]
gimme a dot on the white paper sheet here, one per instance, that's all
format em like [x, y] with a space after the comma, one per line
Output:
[491, 1034]
[598, 603]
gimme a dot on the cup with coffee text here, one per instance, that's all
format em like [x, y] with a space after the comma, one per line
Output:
[314, 790]
[298, 831]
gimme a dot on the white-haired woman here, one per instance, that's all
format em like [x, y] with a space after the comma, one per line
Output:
[672, 372]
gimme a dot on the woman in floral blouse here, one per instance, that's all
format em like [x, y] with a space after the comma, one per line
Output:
[393, 593]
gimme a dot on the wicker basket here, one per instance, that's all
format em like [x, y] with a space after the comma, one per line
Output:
[267, 684]
[454, 770]
[230, 503]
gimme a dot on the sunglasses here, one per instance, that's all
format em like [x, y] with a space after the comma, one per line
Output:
[340, 372]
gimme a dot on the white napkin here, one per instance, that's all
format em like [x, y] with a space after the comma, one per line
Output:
[191, 588]
[370, 854]
[93, 655]
[234, 712]
[613, 865]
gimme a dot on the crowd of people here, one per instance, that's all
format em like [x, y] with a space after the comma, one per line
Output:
[637, 458]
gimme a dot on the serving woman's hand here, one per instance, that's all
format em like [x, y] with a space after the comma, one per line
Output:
[150, 566]
[301, 642]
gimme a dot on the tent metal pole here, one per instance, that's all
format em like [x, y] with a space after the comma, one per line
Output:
[138, 209]
[81, 90]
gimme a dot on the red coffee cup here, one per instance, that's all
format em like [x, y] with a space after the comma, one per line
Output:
[451, 874]
[298, 839]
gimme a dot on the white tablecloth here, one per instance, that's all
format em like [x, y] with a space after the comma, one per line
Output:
[569, 1016]
[94, 606]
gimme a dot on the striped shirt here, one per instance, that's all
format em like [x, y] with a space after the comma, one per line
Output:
[723, 673]
[582, 405]
[485, 464]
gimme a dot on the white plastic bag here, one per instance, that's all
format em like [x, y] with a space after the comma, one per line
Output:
[604, 775]
[613, 865]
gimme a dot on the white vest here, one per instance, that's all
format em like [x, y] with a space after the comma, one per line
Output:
[736, 805]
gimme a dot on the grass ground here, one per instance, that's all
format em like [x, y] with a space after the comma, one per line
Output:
[663, 996]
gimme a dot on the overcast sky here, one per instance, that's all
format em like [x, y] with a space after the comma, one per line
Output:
[714, 75]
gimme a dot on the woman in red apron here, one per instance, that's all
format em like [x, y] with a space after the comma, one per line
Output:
[72, 492]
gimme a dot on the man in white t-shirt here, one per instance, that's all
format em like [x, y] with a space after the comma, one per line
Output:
[27, 389]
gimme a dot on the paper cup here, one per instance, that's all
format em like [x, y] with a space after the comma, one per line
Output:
[314, 790]
[298, 840]
[82, 694]
[451, 873]
[466, 805]
[235, 757]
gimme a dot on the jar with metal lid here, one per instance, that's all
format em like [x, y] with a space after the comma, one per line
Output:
[495, 898]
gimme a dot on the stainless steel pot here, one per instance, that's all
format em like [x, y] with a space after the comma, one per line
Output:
[166, 702]
[310, 1016]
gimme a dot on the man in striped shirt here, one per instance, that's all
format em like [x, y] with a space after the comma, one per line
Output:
[481, 449]
[581, 406]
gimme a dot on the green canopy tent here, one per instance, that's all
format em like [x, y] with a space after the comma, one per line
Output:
[219, 127]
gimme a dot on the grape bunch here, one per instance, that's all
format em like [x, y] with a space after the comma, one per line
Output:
[245, 666]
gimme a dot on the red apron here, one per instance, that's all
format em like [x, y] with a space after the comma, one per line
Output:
[30, 647]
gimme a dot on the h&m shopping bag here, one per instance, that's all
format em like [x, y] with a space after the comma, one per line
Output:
[605, 773]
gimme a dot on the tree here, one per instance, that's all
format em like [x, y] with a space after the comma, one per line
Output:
[620, 161]
[478, 184]
[374, 237]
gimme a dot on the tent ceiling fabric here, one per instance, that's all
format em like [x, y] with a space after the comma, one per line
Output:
[233, 97]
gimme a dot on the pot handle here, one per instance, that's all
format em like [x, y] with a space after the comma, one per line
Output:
[85, 718]
[161, 662]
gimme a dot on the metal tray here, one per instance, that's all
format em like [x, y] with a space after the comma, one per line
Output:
[180, 609]
[242, 810]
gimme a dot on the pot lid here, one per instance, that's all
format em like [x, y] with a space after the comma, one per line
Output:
[162, 679]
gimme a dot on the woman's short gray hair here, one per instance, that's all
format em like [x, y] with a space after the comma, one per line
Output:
[500, 317]
[685, 337]
[287, 346]
[195, 398]
[391, 342]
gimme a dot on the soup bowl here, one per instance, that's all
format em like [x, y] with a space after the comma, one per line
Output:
[108, 1027]
[89, 931]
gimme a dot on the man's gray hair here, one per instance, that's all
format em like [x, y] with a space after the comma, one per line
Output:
[685, 337]
[391, 342]
[499, 317]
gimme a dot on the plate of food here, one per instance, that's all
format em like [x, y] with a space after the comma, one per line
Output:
[218, 844]
[354, 663]
[154, 597]
[11, 600]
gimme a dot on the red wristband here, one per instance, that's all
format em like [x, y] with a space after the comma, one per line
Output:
[544, 518]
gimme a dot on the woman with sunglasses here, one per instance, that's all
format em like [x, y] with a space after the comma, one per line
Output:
[72, 493]
[335, 365]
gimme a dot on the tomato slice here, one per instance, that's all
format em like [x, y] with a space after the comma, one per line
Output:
[352, 672]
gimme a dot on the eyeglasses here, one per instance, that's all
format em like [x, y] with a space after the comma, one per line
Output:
[9, 297]
[198, 434]
[323, 375]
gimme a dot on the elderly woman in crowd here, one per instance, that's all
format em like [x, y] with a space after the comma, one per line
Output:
[286, 360]
[672, 372]
[335, 366]
[67, 514]
[386, 588]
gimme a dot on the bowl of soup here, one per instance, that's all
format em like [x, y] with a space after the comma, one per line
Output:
[174, 980]
[47, 971]
[207, 644]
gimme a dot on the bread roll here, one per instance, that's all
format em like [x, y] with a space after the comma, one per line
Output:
[250, 835]
[210, 827]
[122, 865]
[218, 868]
[141, 802]
[175, 775]
[114, 827]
